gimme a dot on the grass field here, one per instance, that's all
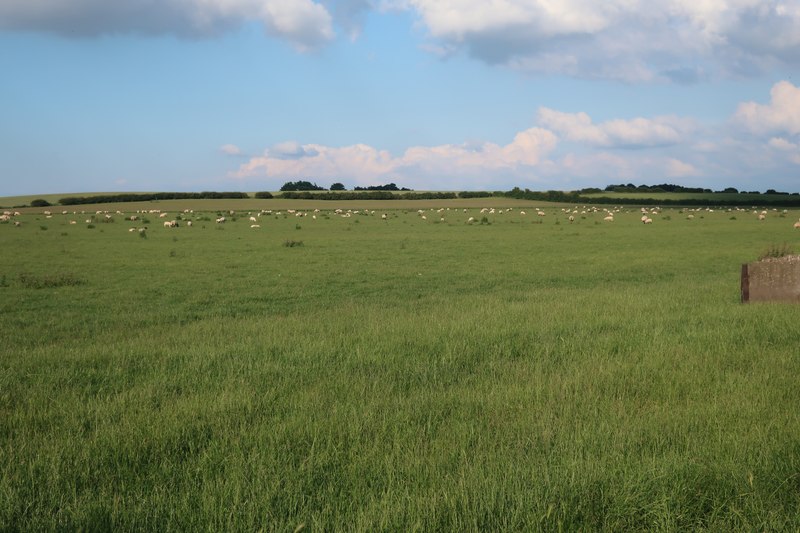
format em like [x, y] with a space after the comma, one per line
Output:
[527, 373]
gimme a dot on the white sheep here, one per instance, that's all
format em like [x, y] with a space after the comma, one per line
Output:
[571, 218]
[609, 218]
[189, 223]
[221, 220]
[797, 225]
[255, 225]
[253, 219]
[648, 220]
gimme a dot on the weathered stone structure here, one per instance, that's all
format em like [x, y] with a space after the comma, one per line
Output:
[773, 279]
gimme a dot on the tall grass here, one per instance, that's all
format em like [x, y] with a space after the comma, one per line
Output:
[399, 375]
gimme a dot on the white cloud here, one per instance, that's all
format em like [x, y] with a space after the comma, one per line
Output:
[636, 133]
[680, 169]
[678, 40]
[230, 149]
[790, 149]
[304, 23]
[782, 114]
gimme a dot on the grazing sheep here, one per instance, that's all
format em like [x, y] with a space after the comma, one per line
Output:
[253, 219]
[609, 218]
[797, 225]
[162, 215]
[221, 220]
[131, 230]
[189, 223]
[648, 220]
[571, 218]
[762, 217]
[17, 223]
[540, 213]
[171, 224]
[471, 220]
[383, 216]
[255, 225]
[522, 213]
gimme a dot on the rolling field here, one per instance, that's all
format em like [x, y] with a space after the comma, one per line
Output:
[527, 373]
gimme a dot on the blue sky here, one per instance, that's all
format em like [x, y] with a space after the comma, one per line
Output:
[191, 95]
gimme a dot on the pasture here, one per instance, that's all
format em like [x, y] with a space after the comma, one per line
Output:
[524, 373]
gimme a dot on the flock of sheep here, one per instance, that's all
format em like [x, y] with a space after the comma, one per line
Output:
[254, 218]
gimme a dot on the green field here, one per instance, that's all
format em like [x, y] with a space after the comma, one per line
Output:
[526, 373]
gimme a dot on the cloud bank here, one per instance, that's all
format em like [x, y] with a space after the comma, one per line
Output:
[567, 150]
[303, 23]
[681, 41]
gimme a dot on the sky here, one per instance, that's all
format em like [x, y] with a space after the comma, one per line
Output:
[244, 95]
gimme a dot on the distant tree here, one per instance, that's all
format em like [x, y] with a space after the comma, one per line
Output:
[40, 202]
[388, 187]
[731, 190]
[301, 186]
[337, 187]
[772, 191]
[264, 195]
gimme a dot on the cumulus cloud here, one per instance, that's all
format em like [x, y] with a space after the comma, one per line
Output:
[781, 115]
[677, 40]
[304, 23]
[620, 133]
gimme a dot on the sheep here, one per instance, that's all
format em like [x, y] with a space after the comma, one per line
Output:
[131, 230]
[540, 213]
[133, 217]
[609, 218]
[255, 225]
[797, 225]
[648, 220]
[571, 218]
[762, 217]
[221, 220]
[471, 220]
[522, 213]
[189, 223]
[383, 216]
[162, 215]
[253, 219]
[171, 224]
[17, 223]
